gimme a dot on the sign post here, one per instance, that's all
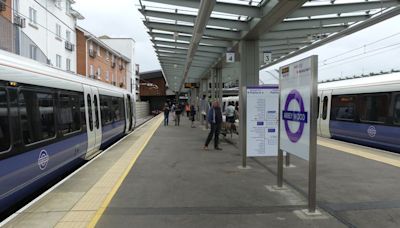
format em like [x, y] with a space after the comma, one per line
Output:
[298, 121]
[262, 118]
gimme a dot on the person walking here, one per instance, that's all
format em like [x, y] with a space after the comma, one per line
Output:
[187, 109]
[178, 112]
[215, 119]
[192, 114]
[166, 114]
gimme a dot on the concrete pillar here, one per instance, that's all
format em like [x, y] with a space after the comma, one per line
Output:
[249, 76]
[213, 76]
[220, 92]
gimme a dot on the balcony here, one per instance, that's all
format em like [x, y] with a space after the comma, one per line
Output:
[13, 40]
[69, 46]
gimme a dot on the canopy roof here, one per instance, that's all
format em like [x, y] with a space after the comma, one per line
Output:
[191, 37]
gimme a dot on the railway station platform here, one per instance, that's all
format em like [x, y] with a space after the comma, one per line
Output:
[161, 177]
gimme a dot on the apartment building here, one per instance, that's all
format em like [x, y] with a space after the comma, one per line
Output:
[99, 61]
[126, 46]
[5, 9]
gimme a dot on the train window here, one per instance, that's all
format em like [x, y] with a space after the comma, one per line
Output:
[325, 108]
[4, 121]
[343, 108]
[375, 108]
[105, 108]
[96, 111]
[319, 100]
[122, 108]
[83, 112]
[90, 112]
[69, 114]
[396, 111]
[37, 116]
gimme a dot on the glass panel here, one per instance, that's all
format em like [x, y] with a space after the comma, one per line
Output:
[325, 108]
[69, 115]
[4, 121]
[37, 116]
[396, 111]
[90, 112]
[343, 108]
[96, 111]
[375, 108]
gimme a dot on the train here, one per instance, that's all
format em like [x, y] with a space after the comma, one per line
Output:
[50, 122]
[362, 110]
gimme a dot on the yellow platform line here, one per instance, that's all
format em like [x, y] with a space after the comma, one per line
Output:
[371, 154]
[114, 190]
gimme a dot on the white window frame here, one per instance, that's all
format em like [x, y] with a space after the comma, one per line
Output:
[68, 64]
[107, 75]
[68, 7]
[58, 61]
[68, 35]
[107, 55]
[58, 31]
[98, 50]
[33, 52]
[91, 71]
[98, 73]
[32, 16]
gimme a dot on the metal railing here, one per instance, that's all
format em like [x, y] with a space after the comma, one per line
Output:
[14, 40]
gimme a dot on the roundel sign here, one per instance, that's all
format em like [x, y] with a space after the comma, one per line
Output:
[43, 159]
[299, 116]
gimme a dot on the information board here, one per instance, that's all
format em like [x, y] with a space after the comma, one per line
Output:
[262, 119]
[298, 83]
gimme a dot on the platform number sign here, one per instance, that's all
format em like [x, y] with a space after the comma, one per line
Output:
[298, 82]
[230, 57]
[267, 57]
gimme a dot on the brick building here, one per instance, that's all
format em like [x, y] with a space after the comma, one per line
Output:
[99, 61]
[5, 9]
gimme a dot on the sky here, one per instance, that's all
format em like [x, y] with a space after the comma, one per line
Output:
[374, 49]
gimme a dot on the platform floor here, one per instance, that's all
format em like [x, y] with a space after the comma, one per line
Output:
[166, 179]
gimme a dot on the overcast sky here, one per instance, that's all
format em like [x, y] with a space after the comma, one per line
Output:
[124, 20]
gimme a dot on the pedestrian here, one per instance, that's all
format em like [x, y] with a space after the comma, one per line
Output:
[204, 107]
[173, 107]
[215, 119]
[166, 114]
[192, 114]
[230, 113]
[178, 112]
[187, 109]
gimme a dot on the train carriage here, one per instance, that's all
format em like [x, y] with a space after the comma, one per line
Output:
[50, 121]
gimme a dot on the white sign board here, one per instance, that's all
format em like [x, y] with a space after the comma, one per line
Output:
[262, 119]
[297, 82]
[267, 57]
[230, 57]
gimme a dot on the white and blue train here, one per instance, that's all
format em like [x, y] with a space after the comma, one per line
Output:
[363, 110]
[50, 121]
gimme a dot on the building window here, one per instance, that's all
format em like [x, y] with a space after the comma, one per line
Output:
[91, 71]
[91, 46]
[107, 55]
[33, 52]
[112, 78]
[68, 7]
[32, 15]
[99, 73]
[58, 31]
[68, 35]
[57, 3]
[58, 61]
[107, 75]
[68, 64]
[98, 50]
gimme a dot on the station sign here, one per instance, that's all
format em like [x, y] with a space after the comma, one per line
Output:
[298, 83]
[230, 57]
[262, 120]
[267, 57]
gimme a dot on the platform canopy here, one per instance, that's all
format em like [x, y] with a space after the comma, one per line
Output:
[191, 36]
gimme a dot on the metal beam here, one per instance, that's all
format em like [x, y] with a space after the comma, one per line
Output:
[186, 46]
[370, 22]
[184, 51]
[231, 24]
[283, 41]
[245, 10]
[316, 23]
[302, 32]
[184, 56]
[180, 37]
[218, 33]
[309, 11]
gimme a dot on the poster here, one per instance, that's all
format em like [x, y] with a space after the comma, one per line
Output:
[262, 106]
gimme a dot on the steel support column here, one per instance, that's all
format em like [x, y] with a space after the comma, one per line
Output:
[249, 64]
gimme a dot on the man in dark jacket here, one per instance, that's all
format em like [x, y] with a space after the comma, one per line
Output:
[215, 119]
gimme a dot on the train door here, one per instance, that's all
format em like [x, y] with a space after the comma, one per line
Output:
[92, 102]
[319, 107]
[130, 116]
[325, 116]
[127, 112]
